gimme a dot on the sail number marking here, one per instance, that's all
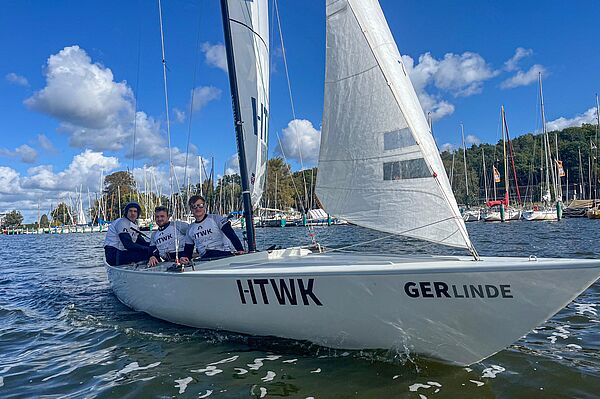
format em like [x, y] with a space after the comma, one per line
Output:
[278, 291]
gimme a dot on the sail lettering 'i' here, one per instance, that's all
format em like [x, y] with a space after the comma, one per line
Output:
[379, 166]
[248, 23]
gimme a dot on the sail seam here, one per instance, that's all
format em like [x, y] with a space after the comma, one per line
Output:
[387, 190]
[397, 154]
[352, 76]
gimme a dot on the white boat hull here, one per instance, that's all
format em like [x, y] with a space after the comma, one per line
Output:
[453, 309]
[494, 216]
[471, 215]
[545, 214]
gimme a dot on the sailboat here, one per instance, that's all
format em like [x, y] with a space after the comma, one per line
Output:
[546, 212]
[468, 214]
[500, 210]
[378, 163]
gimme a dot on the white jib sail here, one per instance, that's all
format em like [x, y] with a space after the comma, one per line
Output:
[379, 166]
[249, 23]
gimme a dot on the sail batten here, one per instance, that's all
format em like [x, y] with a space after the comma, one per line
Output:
[379, 166]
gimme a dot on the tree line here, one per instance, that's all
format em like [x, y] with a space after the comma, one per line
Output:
[574, 143]
[284, 189]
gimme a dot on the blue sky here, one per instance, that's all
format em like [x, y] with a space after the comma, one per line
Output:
[73, 73]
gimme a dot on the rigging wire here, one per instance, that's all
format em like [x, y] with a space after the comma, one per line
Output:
[135, 96]
[189, 133]
[287, 75]
[164, 63]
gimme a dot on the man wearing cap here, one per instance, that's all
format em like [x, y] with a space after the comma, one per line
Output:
[123, 243]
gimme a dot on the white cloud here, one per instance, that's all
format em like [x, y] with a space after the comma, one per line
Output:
[179, 115]
[23, 152]
[300, 141]
[84, 169]
[9, 181]
[45, 143]
[523, 78]
[520, 53]
[81, 93]
[472, 140]
[233, 165]
[447, 147]
[46, 188]
[17, 79]
[202, 95]
[462, 75]
[561, 123]
[421, 76]
[459, 75]
[215, 55]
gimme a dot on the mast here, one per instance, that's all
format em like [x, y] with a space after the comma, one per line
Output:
[596, 148]
[250, 236]
[200, 172]
[506, 183]
[452, 171]
[484, 175]
[581, 192]
[549, 171]
[462, 129]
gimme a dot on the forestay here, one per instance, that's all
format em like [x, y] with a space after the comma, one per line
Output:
[379, 166]
[249, 24]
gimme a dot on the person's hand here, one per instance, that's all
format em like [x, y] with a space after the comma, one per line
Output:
[240, 252]
[153, 261]
[184, 260]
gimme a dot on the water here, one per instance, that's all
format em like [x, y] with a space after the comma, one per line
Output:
[64, 334]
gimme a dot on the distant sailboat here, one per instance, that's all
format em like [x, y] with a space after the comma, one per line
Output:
[378, 165]
[468, 214]
[500, 209]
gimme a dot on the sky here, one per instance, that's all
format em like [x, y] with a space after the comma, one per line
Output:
[78, 80]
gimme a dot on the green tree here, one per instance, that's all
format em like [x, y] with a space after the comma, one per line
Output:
[44, 222]
[62, 214]
[121, 181]
[13, 218]
[279, 192]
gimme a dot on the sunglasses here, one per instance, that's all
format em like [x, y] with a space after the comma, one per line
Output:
[199, 206]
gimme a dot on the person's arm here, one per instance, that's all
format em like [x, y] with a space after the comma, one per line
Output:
[130, 245]
[229, 233]
[188, 250]
[140, 241]
[154, 251]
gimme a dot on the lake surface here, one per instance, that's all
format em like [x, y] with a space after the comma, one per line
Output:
[64, 334]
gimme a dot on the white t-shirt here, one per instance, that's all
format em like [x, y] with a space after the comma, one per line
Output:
[121, 225]
[164, 239]
[208, 235]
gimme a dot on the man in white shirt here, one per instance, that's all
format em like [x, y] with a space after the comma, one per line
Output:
[212, 235]
[170, 235]
[124, 242]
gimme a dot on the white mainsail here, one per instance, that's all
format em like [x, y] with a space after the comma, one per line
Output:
[379, 166]
[249, 24]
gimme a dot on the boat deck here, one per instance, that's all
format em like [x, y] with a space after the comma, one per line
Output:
[300, 261]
